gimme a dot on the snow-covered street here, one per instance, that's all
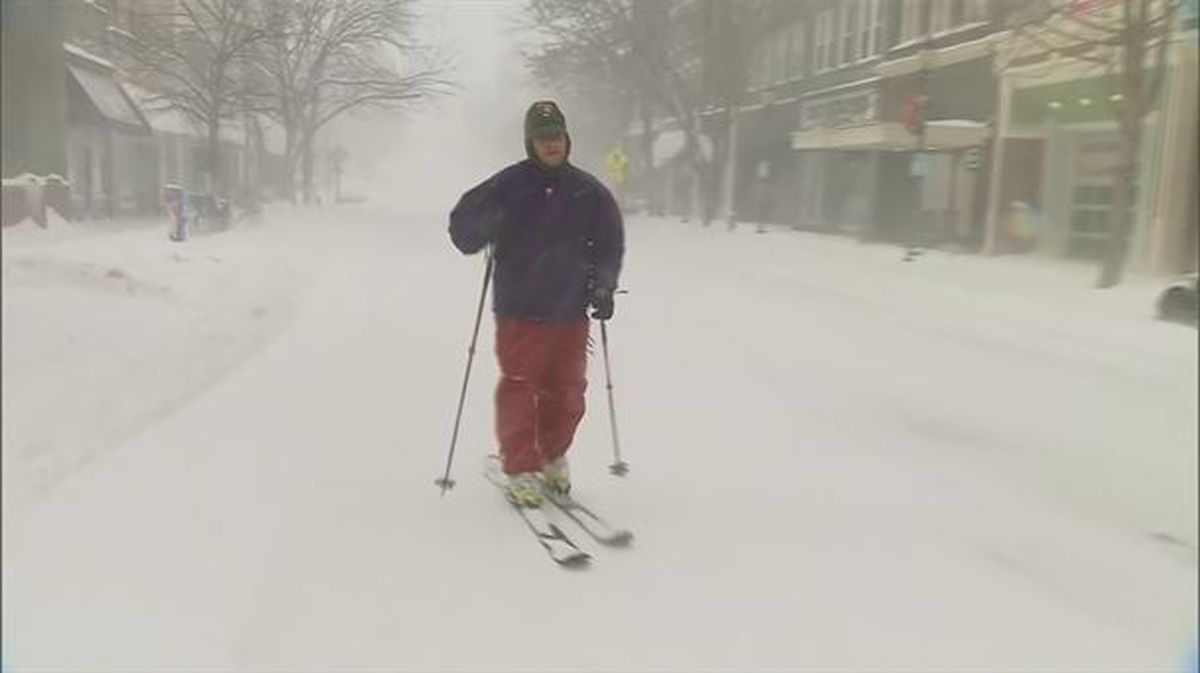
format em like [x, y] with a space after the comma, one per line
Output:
[222, 457]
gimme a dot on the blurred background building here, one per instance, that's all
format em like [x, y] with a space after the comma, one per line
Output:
[71, 110]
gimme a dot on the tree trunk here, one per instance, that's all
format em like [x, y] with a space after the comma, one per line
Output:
[649, 190]
[718, 171]
[306, 166]
[697, 163]
[1116, 252]
[289, 162]
[728, 174]
[214, 156]
[1130, 113]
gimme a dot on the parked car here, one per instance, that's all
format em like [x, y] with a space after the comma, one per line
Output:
[1178, 303]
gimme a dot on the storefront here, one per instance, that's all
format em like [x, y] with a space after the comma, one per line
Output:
[765, 169]
[838, 141]
[862, 172]
[1062, 145]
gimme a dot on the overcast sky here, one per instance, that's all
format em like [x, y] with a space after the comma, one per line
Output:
[437, 153]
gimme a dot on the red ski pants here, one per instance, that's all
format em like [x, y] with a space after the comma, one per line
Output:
[540, 398]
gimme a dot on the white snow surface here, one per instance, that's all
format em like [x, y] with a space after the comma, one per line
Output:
[220, 455]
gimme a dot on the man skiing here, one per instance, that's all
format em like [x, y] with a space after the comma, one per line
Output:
[557, 243]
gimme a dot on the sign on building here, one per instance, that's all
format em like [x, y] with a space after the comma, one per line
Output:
[853, 109]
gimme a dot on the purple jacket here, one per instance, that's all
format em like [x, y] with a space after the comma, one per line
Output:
[557, 235]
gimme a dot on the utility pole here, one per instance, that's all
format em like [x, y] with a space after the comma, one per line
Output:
[914, 119]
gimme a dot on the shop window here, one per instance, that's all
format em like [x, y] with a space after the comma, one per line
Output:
[759, 65]
[848, 50]
[782, 42]
[797, 54]
[912, 20]
[824, 40]
[870, 41]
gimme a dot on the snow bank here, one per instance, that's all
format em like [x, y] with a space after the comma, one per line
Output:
[105, 331]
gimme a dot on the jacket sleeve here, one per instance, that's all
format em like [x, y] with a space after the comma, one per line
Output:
[475, 218]
[609, 244]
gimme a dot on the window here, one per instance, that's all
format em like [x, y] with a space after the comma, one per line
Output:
[863, 12]
[760, 66]
[781, 41]
[870, 37]
[951, 14]
[754, 72]
[939, 17]
[796, 64]
[824, 41]
[768, 58]
[976, 11]
[912, 20]
[848, 49]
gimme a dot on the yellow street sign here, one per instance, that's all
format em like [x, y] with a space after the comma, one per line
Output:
[617, 164]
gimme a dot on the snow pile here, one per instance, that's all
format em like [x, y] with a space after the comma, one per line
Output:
[31, 180]
[57, 227]
[106, 331]
[33, 198]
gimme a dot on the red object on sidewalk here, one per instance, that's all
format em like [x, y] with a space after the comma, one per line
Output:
[540, 398]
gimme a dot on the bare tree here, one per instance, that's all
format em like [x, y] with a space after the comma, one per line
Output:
[1129, 40]
[189, 54]
[322, 59]
[670, 63]
[591, 51]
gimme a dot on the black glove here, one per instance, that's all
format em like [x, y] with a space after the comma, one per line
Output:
[602, 301]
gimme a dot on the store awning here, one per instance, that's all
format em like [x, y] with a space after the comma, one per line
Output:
[866, 137]
[162, 120]
[104, 93]
[167, 121]
[947, 134]
[1079, 101]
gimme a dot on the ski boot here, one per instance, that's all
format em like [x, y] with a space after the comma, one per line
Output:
[524, 490]
[557, 477]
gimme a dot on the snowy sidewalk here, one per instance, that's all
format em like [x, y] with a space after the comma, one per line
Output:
[108, 326]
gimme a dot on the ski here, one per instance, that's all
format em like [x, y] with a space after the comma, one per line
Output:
[591, 523]
[556, 543]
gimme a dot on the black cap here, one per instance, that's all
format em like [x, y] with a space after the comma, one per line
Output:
[544, 119]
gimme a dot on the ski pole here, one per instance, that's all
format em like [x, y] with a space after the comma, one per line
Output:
[445, 482]
[618, 467]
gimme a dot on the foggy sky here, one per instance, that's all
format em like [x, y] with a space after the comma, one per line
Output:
[436, 153]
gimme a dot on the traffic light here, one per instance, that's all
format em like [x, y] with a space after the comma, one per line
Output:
[913, 114]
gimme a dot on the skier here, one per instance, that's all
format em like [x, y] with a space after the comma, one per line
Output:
[558, 241]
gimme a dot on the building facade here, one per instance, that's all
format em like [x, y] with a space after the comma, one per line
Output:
[1061, 142]
[69, 111]
[823, 142]
[1010, 155]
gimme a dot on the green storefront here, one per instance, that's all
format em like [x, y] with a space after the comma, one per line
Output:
[1062, 147]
